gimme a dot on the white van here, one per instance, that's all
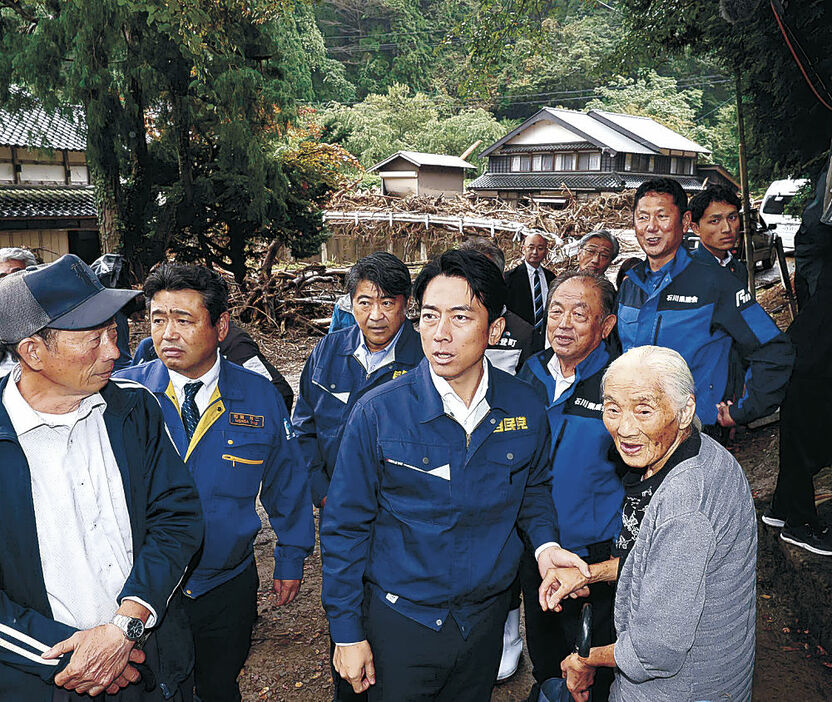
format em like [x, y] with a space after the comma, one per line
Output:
[778, 195]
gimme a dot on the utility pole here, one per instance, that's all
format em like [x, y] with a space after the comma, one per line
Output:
[746, 200]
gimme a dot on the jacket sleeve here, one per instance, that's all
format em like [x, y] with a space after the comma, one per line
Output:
[305, 425]
[763, 347]
[173, 516]
[661, 627]
[24, 635]
[285, 496]
[346, 526]
[244, 351]
[537, 513]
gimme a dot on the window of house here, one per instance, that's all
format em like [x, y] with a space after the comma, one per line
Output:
[628, 162]
[691, 166]
[590, 161]
[537, 163]
[548, 163]
[565, 162]
[525, 163]
[674, 165]
[651, 164]
[515, 163]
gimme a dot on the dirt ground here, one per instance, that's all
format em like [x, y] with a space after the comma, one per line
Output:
[289, 658]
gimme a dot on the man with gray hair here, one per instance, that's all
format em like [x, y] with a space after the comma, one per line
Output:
[15, 258]
[596, 251]
[587, 491]
[100, 515]
[686, 555]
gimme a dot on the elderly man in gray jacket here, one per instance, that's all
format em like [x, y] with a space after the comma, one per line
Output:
[686, 555]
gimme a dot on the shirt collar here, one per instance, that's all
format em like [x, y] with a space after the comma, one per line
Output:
[530, 269]
[386, 355]
[25, 418]
[208, 379]
[447, 393]
[727, 260]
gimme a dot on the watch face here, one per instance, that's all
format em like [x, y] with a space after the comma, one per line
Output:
[135, 629]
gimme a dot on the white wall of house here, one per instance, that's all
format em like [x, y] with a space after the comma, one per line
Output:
[544, 132]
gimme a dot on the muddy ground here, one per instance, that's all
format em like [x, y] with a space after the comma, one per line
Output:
[290, 648]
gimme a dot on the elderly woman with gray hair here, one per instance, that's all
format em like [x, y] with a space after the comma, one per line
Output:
[686, 555]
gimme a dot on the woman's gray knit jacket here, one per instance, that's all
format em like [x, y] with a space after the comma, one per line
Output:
[685, 605]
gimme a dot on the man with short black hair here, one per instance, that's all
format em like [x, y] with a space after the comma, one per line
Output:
[528, 287]
[715, 219]
[100, 516]
[701, 311]
[348, 363]
[233, 431]
[437, 472]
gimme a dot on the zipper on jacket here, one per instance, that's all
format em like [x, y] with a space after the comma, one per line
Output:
[656, 333]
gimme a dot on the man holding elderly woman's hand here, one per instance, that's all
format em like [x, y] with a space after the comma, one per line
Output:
[686, 554]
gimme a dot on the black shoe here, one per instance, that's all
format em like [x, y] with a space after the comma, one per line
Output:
[772, 519]
[815, 538]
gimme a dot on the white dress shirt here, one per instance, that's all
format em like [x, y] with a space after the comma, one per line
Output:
[83, 526]
[544, 286]
[467, 416]
[209, 383]
[562, 384]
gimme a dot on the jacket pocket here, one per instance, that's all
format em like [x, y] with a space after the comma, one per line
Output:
[416, 481]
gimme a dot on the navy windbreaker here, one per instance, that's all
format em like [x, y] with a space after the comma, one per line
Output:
[331, 383]
[426, 515]
[585, 488]
[701, 311]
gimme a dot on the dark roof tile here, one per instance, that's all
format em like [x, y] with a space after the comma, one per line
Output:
[38, 202]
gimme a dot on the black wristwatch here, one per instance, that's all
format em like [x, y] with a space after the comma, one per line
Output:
[131, 627]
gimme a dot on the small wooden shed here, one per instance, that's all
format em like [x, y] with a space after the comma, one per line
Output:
[416, 173]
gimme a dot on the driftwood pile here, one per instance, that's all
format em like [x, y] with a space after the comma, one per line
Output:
[302, 299]
[291, 299]
[573, 221]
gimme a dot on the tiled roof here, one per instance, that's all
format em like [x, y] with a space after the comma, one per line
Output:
[418, 158]
[632, 181]
[35, 128]
[520, 181]
[538, 148]
[573, 181]
[39, 202]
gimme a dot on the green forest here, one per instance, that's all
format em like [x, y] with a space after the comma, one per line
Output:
[233, 120]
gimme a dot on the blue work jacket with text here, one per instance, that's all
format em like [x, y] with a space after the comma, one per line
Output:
[701, 311]
[331, 383]
[426, 515]
[243, 445]
[586, 490]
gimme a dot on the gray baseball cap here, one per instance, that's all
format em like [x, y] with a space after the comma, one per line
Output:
[64, 294]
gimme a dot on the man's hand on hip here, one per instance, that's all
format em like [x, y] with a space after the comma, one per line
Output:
[286, 590]
[354, 663]
[99, 659]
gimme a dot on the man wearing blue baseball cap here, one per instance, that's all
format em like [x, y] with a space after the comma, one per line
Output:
[100, 514]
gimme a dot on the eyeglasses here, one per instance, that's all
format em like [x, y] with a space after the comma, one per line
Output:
[592, 252]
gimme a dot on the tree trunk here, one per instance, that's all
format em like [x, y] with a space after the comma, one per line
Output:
[109, 216]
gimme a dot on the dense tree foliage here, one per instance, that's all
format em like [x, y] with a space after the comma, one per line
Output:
[184, 103]
[382, 124]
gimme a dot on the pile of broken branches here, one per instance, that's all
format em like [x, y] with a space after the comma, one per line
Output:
[290, 299]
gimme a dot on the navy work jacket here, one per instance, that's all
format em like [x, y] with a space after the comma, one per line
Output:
[165, 523]
[586, 490]
[332, 382]
[701, 311]
[428, 516]
[243, 445]
[735, 266]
